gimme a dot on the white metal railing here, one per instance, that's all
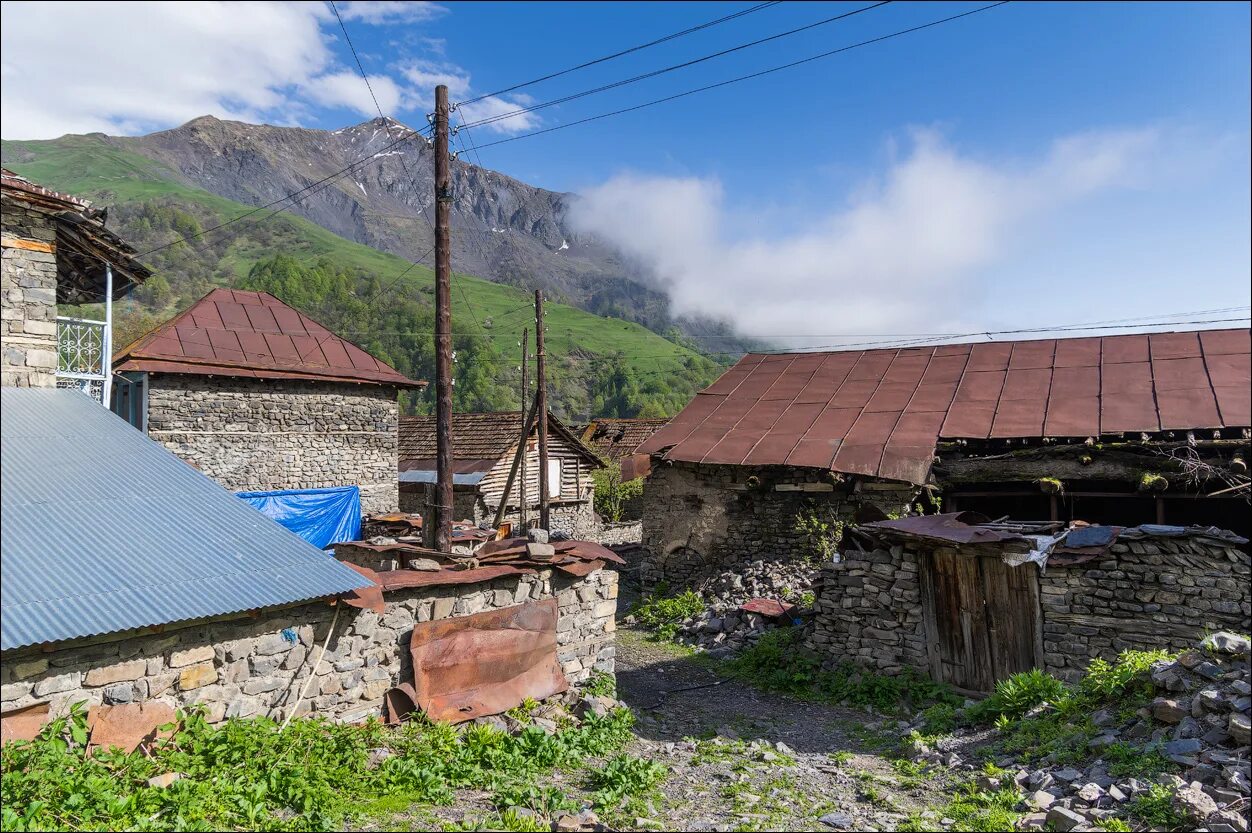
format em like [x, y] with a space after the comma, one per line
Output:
[85, 349]
[83, 356]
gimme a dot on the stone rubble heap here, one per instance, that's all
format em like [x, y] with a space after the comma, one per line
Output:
[756, 580]
[723, 632]
[1200, 719]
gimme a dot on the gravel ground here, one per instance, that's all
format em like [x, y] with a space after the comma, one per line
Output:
[728, 771]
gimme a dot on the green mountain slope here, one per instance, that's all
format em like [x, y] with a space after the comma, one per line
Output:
[600, 366]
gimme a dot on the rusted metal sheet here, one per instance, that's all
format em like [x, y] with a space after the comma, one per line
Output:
[850, 411]
[951, 527]
[487, 663]
[128, 725]
[366, 598]
[23, 724]
[232, 332]
[581, 568]
[398, 579]
[769, 608]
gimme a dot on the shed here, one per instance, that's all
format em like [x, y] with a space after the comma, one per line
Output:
[1109, 429]
[483, 448]
[260, 397]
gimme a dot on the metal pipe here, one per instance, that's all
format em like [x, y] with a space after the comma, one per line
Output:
[107, 359]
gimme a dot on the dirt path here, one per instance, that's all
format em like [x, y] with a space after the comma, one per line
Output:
[729, 772]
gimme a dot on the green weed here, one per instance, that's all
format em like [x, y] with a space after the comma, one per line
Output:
[663, 615]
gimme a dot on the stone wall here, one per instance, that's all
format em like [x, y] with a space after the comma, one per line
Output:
[699, 520]
[260, 435]
[28, 289]
[1145, 594]
[243, 666]
[1150, 593]
[868, 610]
[576, 518]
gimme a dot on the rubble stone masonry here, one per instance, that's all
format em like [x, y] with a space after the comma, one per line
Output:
[242, 666]
[260, 434]
[869, 611]
[699, 520]
[1151, 593]
[28, 288]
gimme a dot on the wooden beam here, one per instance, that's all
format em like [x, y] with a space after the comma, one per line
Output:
[28, 245]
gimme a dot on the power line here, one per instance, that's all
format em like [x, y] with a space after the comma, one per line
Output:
[747, 77]
[532, 108]
[670, 37]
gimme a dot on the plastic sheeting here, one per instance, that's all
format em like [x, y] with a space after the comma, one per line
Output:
[320, 516]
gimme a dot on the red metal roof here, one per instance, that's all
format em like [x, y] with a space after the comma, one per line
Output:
[230, 332]
[881, 412]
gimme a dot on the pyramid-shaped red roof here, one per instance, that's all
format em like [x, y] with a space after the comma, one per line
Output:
[231, 332]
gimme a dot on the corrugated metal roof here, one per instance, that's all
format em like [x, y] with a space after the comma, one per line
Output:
[430, 476]
[881, 412]
[104, 530]
[230, 332]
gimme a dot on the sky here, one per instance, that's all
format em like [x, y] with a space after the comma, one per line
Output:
[1030, 166]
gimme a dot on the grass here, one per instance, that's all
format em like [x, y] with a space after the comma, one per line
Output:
[778, 662]
[662, 615]
[250, 774]
[1155, 809]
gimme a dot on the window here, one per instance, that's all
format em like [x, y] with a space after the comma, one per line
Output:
[554, 478]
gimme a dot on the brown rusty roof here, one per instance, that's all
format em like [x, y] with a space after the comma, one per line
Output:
[881, 412]
[614, 439]
[479, 441]
[230, 332]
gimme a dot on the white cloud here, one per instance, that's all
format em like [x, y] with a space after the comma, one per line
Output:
[390, 11]
[426, 75]
[346, 89]
[128, 67]
[905, 253]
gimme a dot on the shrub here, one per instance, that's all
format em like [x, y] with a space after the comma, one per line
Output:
[612, 494]
[1017, 695]
[663, 615]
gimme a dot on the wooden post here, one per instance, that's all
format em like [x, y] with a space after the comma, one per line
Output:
[522, 518]
[541, 407]
[528, 425]
[443, 505]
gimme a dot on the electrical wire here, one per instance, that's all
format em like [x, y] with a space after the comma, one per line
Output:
[747, 77]
[641, 46]
[653, 74]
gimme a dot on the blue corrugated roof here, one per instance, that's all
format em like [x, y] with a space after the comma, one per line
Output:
[102, 530]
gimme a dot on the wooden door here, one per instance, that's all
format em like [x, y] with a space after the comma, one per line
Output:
[981, 619]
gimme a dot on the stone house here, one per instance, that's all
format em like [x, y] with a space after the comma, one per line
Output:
[184, 594]
[56, 250]
[483, 448]
[970, 603]
[260, 397]
[1131, 429]
[615, 440]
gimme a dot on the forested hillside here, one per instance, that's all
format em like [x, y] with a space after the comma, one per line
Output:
[598, 366]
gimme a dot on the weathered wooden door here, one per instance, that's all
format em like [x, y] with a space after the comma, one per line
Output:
[981, 618]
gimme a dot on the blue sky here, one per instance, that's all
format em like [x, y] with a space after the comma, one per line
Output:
[1033, 164]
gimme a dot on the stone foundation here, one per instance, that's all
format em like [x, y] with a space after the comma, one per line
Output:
[243, 666]
[868, 610]
[1152, 593]
[28, 287]
[700, 520]
[262, 435]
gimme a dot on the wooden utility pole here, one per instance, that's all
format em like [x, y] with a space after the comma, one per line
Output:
[443, 505]
[541, 407]
[521, 491]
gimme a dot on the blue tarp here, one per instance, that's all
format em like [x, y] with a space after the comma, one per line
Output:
[320, 516]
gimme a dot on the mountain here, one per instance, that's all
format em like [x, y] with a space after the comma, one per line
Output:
[340, 255]
[504, 230]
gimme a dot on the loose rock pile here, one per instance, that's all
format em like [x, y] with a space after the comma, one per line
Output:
[724, 631]
[757, 579]
[1199, 719]
[559, 711]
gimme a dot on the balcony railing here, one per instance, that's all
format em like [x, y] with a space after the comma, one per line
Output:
[83, 356]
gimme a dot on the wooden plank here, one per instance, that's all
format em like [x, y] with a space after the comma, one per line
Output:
[927, 586]
[28, 245]
[981, 676]
[1011, 616]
